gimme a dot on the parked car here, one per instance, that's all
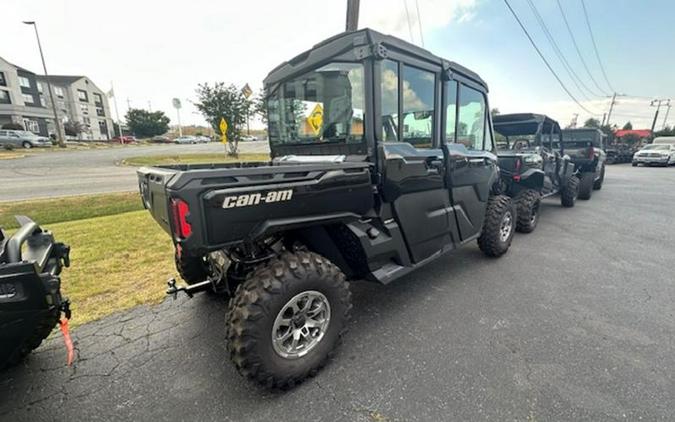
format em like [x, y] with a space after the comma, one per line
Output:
[185, 140]
[533, 164]
[124, 139]
[203, 139]
[248, 138]
[655, 154]
[160, 139]
[586, 148]
[22, 139]
[283, 238]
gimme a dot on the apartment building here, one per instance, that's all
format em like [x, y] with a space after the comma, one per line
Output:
[24, 99]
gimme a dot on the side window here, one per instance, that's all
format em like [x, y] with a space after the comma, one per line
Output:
[389, 93]
[471, 124]
[489, 143]
[450, 111]
[418, 107]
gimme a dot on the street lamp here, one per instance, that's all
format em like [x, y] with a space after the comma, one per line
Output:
[59, 132]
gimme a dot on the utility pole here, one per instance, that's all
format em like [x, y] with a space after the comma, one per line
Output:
[658, 103]
[61, 139]
[611, 107]
[117, 112]
[665, 119]
[352, 23]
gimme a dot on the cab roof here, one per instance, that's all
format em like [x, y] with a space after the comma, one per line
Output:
[520, 123]
[346, 41]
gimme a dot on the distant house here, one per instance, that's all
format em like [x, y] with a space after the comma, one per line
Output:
[24, 100]
[643, 134]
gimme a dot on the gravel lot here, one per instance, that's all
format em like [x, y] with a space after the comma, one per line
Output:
[574, 323]
[50, 174]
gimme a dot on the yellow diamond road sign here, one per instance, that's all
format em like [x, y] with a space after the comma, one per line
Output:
[223, 130]
[315, 119]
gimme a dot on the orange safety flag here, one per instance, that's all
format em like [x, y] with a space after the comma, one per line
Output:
[67, 340]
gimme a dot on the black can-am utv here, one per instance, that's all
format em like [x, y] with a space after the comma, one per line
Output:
[585, 147]
[30, 289]
[533, 164]
[383, 160]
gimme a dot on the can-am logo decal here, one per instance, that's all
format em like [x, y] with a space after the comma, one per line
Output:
[249, 199]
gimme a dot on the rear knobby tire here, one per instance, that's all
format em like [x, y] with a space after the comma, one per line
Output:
[499, 226]
[257, 304]
[597, 185]
[40, 332]
[527, 207]
[586, 185]
[569, 193]
[191, 269]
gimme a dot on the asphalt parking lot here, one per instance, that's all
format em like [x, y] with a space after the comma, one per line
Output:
[574, 323]
[62, 173]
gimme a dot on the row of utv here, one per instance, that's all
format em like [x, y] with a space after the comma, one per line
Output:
[403, 164]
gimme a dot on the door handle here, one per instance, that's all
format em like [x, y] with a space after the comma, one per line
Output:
[482, 160]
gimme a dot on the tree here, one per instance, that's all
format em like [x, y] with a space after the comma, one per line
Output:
[74, 128]
[260, 105]
[495, 112]
[592, 123]
[666, 131]
[221, 101]
[628, 126]
[144, 123]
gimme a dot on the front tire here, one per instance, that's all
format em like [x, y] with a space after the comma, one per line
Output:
[499, 226]
[597, 185]
[27, 145]
[40, 332]
[569, 193]
[286, 319]
[527, 205]
[586, 185]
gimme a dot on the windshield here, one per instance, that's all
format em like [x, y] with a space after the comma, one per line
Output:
[322, 106]
[657, 147]
[515, 142]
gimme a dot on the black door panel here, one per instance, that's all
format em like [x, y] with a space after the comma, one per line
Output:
[414, 182]
[470, 174]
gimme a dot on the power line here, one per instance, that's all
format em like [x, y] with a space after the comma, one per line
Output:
[595, 46]
[576, 47]
[419, 20]
[405, 4]
[562, 85]
[570, 71]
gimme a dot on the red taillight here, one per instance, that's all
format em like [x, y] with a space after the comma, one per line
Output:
[180, 210]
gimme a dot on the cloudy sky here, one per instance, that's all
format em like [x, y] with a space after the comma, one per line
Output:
[154, 51]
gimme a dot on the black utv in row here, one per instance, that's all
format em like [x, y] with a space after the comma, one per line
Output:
[395, 167]
[533, 164]
[586, 149]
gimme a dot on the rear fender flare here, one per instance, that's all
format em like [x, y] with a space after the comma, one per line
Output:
[532, 179]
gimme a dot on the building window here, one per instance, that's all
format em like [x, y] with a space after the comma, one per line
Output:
[43, 103]
[99, 111]
[87, 121]
[28, 99]
[84, 109]
[61, 104]
[82, 95]
[31, 125]
[58, 91]
[24, 82]
[3, 80]
[98, 100]
[4, 97]
[40, 89]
